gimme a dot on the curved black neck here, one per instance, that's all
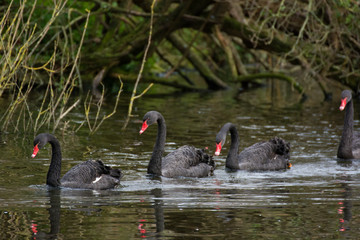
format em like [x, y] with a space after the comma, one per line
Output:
[232, 157]
[345, 147]
[154, 166]
[53, 175]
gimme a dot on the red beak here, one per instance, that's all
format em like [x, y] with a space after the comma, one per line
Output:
[218, 149]
[36, 149]
[343, 104]
[144, 127]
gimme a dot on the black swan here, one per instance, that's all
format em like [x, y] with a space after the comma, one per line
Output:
[350, 141]
[186, 161]
[270, 155]
[90, 174]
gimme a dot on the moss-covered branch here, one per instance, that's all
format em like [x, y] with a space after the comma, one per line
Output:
[280, 76]
[211, 79]
[158, 80]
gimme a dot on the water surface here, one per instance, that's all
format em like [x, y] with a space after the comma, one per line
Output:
[317, 198]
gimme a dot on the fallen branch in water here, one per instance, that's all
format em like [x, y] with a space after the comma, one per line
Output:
[256, 76]
[162, 81]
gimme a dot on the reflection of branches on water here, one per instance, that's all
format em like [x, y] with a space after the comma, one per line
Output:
[14, 223]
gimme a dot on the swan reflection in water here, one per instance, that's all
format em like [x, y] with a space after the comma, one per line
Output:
[54, 217]
[345, 206]
[81, 200]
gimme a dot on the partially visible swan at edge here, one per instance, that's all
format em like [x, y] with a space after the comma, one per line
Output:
[349, 146]
[89, 175]
[186, 161]
[270, 155]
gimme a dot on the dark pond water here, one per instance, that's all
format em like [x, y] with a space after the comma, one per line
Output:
[319, 197]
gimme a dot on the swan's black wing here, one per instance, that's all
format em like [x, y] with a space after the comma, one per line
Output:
[187, 161]
[91, 174]
[270, 155]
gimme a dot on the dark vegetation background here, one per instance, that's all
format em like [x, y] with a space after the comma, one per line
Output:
[64, 49]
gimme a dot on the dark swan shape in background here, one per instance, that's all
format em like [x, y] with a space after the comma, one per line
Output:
[186, 161]
[271, 155]
[349, 146]
[87, 175]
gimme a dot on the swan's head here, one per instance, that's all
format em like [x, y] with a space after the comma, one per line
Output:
[221, 136]
[39, 142]
[345, 99]
[148, 119]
